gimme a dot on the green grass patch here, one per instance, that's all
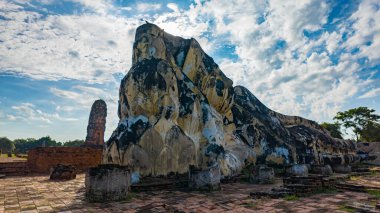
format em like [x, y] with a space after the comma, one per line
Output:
[325, 190]
[346, 208]
[246, 171]
[130, 196]
[291, 197]
[250, 205]
[355, 178]
[374, 192]
[6, 155]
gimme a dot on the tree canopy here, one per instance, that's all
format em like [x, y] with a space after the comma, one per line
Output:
[357, 119]
[333, 128]
[371, 132]
[74, 143]
[24, 145]
[6, 145]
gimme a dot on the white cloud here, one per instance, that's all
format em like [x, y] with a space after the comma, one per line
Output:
[11, 117]
[65, 108]
[99, 6]
[288, 71]
[29, 112]
[371, 93]
[234, 70]
[186, 24]
[145, 7]
[82, 97]
[88, 47]
[173, 7]
[367, 30]
[125, 8]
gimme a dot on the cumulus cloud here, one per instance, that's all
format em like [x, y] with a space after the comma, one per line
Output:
[144, 7]
[173, 7]
[88, 47]
[82, 97]
[29, 112]
[371, 93]
[290, 71]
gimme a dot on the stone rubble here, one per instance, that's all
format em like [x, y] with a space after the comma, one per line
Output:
[63, 172]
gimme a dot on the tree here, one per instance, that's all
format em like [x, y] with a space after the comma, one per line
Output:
[6, 145]
[47, 141]
[24, 145]
[356, 119]
[333, 128]
[74, 143]
[371, 132]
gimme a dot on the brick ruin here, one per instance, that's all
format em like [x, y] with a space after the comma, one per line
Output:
[42, 159]
[96, 124]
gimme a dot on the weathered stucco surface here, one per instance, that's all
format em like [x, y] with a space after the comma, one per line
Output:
[177, 108]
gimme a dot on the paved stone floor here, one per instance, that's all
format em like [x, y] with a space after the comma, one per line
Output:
[39, 194]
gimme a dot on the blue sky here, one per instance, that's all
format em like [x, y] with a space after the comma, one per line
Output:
[307, 57]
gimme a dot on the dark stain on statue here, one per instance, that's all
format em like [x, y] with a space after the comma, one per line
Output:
[226, 121]
[130, 133]
[219, 87]
[214, 148]
[205, 112]
[169, 111]
[209, 64]
[186, 98]
[240, 117]
[147, 70]
[198, 78]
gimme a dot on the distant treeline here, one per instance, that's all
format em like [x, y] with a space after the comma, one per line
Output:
[22, 146]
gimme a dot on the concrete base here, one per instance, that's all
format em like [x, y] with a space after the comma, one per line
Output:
[344, 169]
[369, 153]
[325, 170]
[208, 179]
[261, 174]
[107, 183]
[299, 170]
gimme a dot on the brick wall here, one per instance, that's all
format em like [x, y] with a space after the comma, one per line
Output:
[41, 159]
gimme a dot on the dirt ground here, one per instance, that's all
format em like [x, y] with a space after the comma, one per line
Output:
[5, 159]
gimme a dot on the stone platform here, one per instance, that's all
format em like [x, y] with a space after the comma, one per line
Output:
[39, 194]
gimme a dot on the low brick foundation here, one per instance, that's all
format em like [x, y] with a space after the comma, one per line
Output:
[42, 159]
[14, 168]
